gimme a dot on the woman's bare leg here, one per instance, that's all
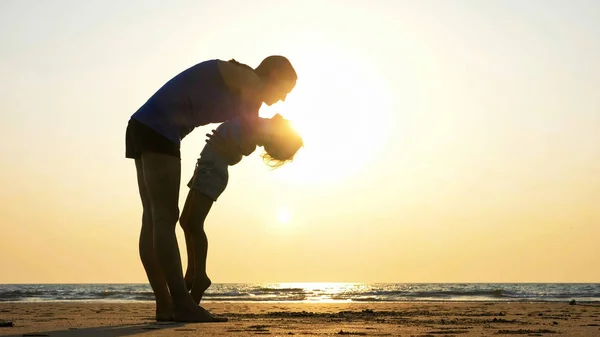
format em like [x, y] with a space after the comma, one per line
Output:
[164, 307]
[162, 174]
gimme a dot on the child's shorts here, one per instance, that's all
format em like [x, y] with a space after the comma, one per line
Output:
[209, 178]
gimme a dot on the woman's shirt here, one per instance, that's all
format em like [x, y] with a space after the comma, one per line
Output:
[197, 96]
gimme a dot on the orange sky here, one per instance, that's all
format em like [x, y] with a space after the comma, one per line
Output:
[445, 141]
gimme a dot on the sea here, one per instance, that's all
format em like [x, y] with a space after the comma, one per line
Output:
[314, 292]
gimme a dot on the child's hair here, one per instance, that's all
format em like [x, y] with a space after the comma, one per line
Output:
[290, 143]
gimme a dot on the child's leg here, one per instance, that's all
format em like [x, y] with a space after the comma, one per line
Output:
[207, 184]
[164, 307]
[189, 247]
[190, 271]
[189, 242]
[197, 206]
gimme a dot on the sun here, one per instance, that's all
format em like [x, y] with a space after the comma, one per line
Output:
[284, 215]
[341, 110]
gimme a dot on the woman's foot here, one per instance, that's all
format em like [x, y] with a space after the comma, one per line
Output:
[164, 317]
[164, 311]
[199, 288]
[196, 314]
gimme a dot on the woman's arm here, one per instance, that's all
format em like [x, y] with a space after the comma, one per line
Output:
[241, 79]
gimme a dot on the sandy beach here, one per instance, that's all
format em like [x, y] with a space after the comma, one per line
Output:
[427, 319]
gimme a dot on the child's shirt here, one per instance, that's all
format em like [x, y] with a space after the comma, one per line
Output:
[231, 130]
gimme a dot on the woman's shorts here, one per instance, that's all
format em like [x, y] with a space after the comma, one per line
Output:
[209, 179]
[139, 139]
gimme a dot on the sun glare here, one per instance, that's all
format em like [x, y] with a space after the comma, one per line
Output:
[284, 216]
[340, 108]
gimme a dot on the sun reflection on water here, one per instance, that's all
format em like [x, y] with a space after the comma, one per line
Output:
[319, 292]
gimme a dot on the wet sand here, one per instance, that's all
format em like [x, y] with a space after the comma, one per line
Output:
[428, 319]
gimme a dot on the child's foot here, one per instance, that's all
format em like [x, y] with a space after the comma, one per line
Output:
[196, 314]
[199, 288]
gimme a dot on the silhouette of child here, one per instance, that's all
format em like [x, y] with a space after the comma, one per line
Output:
[226, 146]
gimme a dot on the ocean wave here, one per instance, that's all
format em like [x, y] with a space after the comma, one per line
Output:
[279, 290]
[256, 299]
[16, 295]
[349, 292]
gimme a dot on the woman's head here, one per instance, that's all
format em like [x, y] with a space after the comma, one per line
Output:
[282, 143]
[279, 77]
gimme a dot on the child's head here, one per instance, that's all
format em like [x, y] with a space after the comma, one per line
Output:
[283, 142]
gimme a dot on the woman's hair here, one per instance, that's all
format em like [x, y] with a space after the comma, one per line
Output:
[241, 64]
[289, 143]
[272, 63]
[279, 64]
